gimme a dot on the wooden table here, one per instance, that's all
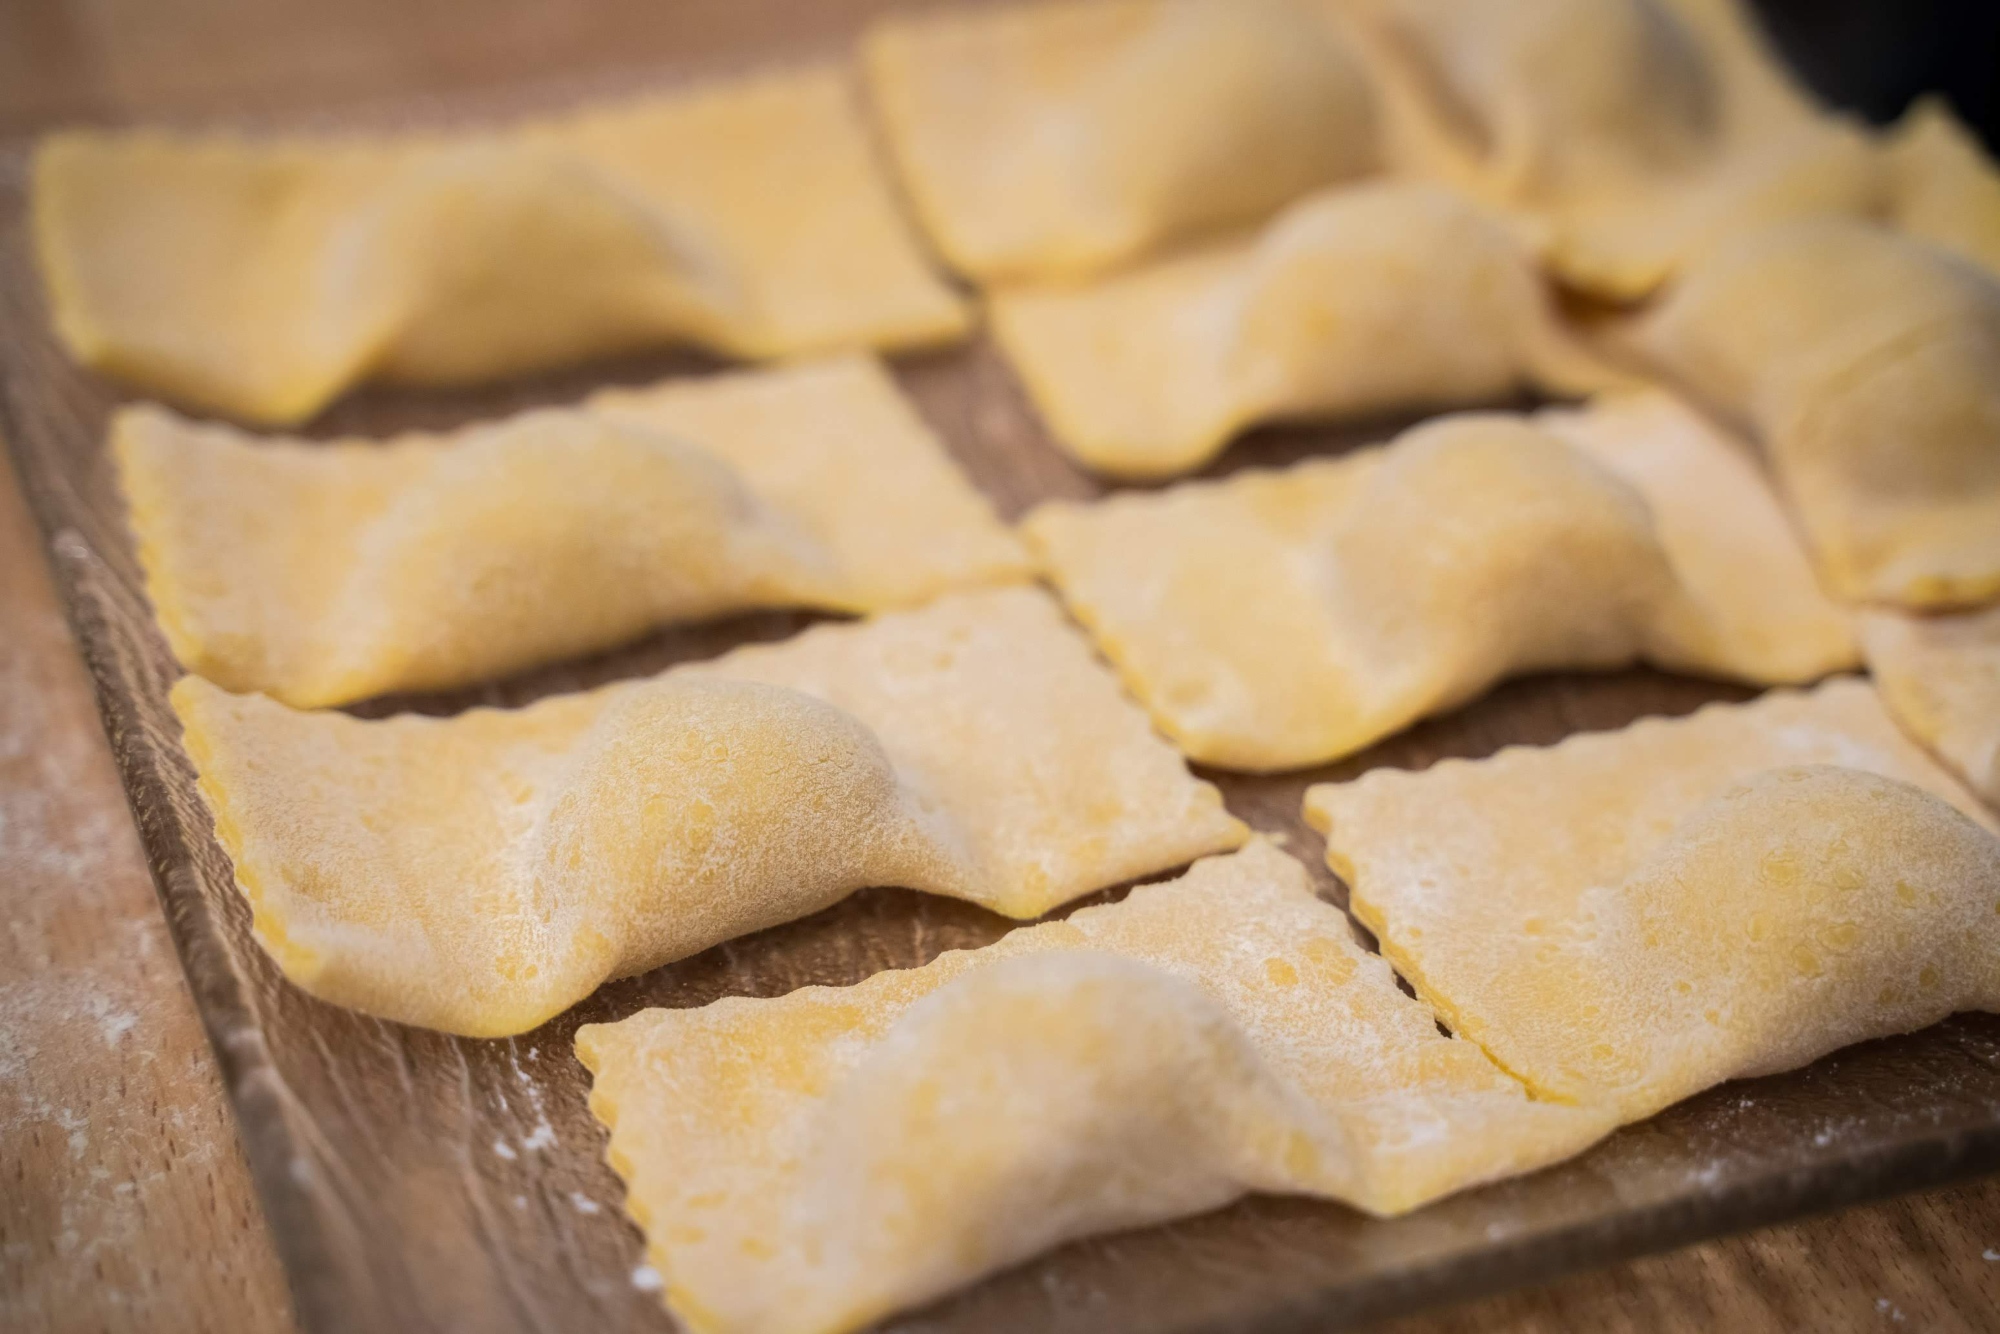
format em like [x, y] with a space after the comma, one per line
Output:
[124, 1200]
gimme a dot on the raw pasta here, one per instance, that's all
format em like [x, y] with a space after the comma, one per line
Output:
[1626, 136]
[1352, 302]
[1626, 918]
[1281, 619]
[321, 574]
[1943, 187]
[482, 873]
[1940, 678]
[1132, 1063]
[1056, 140]
[1865, 362]
[261, 280]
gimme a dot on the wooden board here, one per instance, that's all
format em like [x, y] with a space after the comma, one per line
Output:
[127, 1204]
[415, 1181]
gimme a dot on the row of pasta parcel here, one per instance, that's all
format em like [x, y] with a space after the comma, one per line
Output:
[1766, 341]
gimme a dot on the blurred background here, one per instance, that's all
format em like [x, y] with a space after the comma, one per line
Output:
[195, 58]
[1874, 56]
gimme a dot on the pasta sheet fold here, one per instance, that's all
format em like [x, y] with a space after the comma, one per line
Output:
[481, 873]
[325, 573]
[1940, 678]
[1865, 363]
[1625, 136]
[1627, 918]
[1276, 620]
[1048, 141]
[1944, 189]
[262, 279]
[1132, 1063]
[1352, 302]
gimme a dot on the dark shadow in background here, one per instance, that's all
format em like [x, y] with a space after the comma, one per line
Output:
[1874, 56]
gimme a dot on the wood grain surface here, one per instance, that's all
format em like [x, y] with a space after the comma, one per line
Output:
[124, 1202]
[416, 1181]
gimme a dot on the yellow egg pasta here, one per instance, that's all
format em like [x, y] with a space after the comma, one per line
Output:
[325, 573]
[1943, 187]
[1940, 678]
[480, 874]
[261, 280]
[1276, 620]
[1624, 136]
[1135, 1062]
[1626, 918]
[1053, 140]
[1865, 362]
[1352, 302]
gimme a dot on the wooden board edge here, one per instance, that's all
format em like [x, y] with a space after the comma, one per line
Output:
[301, 1217]
[1784, 1196]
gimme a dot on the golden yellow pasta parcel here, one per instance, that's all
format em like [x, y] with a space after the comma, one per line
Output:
[1624, 137]
[325, 573]
[1053, 141]
[1940, 678]
[1275, 620]
[1626, 918]
[261, 279]
[1944, 189]
[1354, 301]
[1864, 362]
[1132, 1063]
[481, 873]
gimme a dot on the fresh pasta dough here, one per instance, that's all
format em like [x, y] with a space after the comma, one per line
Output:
[1940, 677]
[1944, 189]
[1748, 606]
[261, 280]
[1135, 1062]
[325, 573]
[1625, 135]
[1275, 620]
[1865, 362]
[1353, 301]
[1627, 918]
[1055, 140]
[482, 873]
